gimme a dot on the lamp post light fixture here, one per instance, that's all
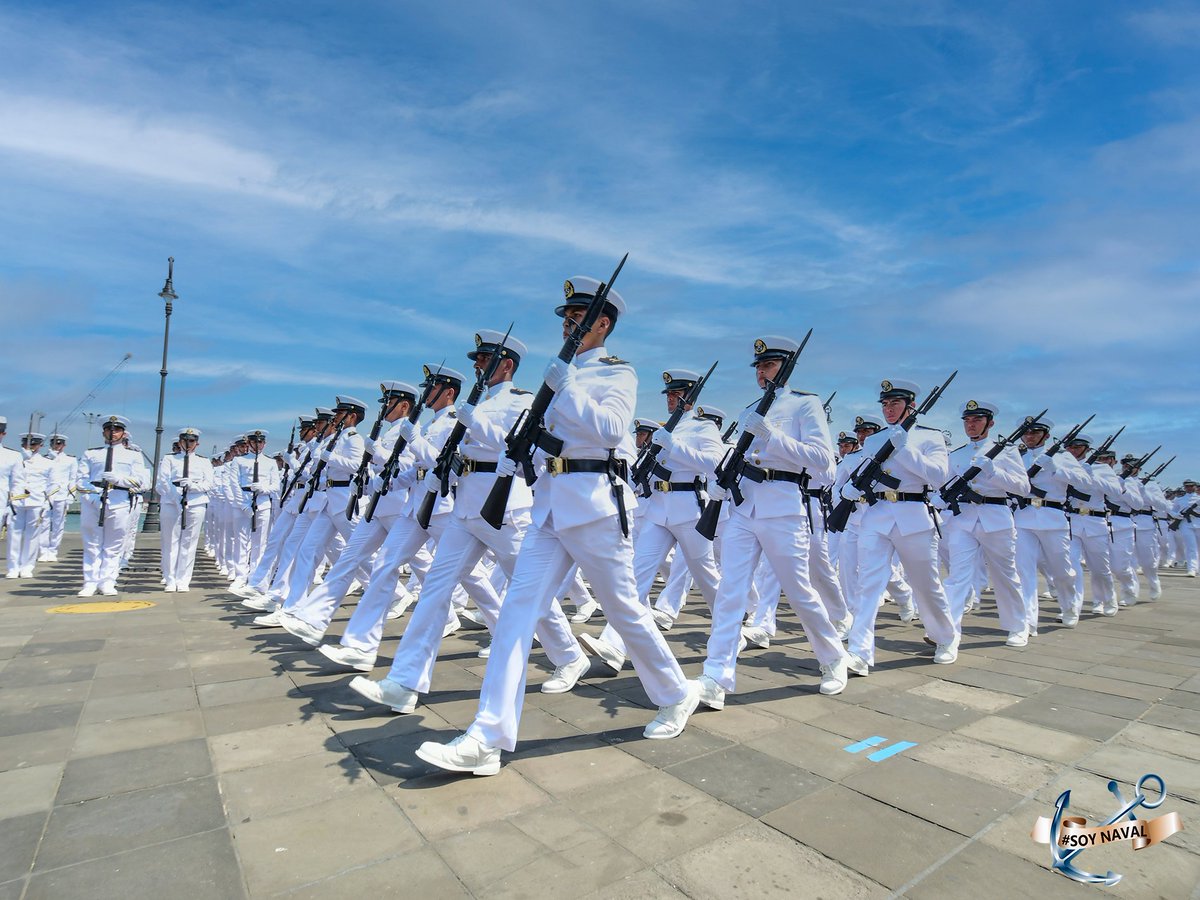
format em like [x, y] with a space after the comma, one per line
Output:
[169, 296]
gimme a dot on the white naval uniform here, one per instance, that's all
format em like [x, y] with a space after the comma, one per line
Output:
[465, 539]
[252, 516]
[669, 517]
[102, 544]
[1145, 535]
[12, 480]
[29, 509]
[907, 528]
[575, 519]
[771, 522]
[986, 530]
[1042, 529]
[1091, 541]
[62, 482]
[1189, 529]
[1124, 556]
[274, 568]
[179, 542]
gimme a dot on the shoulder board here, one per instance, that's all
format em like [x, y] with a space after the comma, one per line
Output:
[350, 431]
[96, 448]
[956, 449]
[802, 393]
[613, 361]
[452, 415]
[929, 428]
[517, 390]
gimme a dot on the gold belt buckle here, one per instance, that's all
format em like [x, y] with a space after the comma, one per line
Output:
[891, 496]
[663, 486]
[1085, 510]
[1036, 501]
[468, 466]
[556, 465]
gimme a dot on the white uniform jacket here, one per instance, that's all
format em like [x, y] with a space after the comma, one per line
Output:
[1008, 478]
[1054, 476]
[920, 465]
[695, 452]
[494, 417]
[268, 477]
[200, 479]
[128, 466]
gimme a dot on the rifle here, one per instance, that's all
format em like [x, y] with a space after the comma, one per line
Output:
[108, 464]
[360, 477]
[183, 495]
[528, 432]
[291, 451]
[448, 460]
[1146, 479]
[1054, 448]
[296, 477]
[254, 495]
[871, 472]
[828, 408]
[1145, 459]
[729, 432]
[729, 470]
[1103, 448]
[955, 490]
[389, 467]
[320, 467]
[1185, 515]
[643, 468]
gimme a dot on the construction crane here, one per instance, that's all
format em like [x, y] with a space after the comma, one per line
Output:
[93, 393]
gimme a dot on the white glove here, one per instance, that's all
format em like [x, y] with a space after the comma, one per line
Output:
[258, 487]
[505, 467]
[755, 424]
[431, 482]
[406, 430]
[898, 436]
[111, 478]
[369, 446]
[1048, 465]
[466, 414]
[850, 492]
[557, 374]
[987, 467]
[325, 453]
[664, 439]
[183, 482]
[718, 493]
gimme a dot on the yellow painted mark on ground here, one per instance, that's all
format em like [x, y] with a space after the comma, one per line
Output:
[101, 606]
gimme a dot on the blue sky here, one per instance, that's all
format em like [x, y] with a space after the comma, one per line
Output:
[349, 190]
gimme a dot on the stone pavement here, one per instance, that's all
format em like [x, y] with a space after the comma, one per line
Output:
[178, 749]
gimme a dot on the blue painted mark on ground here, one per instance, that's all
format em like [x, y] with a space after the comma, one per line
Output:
[898, 747]
[863, 745]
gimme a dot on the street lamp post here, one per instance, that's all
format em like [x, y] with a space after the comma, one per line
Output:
[168, 295]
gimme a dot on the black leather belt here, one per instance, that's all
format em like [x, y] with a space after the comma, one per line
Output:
[561, 465]
[814, 493]
[1123, 515]
[1038, 501]
[759, 475]
[986, 501]
[1085, 511]
[901, 497]
[476, 465]
[667, 487]
[346, 483]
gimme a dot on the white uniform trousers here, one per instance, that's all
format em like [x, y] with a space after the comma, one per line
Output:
[650, 550]
[58, 526]
[281, 581]
[23, 540]
[102, 546]
[1191, 548]
[679, 581]
[318, 606]
[763, 606]
[1124, 566]
[459, 550]
[1095, 550]
[823, 575]
[326, 538]
[783, 540]
[998, 549]
[179, 544]
[1053, 547]
[1145, 547]
[918, 554]
[282, 522]
[605, 556]
[134, 512]
[251, 541]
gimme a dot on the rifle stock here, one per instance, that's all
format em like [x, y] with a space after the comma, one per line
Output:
[644, 466]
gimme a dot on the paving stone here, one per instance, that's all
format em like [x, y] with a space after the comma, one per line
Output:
[1173, 717]
[305, 845]
[752, 782]
[222, 693]
[14, 677]
[987, 701]
[19, 837]
[125, 663]
[983, 871]
[813, 749]
[756, 861]
[419, 873]
[926, 710]
[255, 793]
[1095, 701]
[857, 723]
[131, 734]
[576, 765]
[28, 790]
[1165, 740]
[57, 648]
[131, 770]
[110, 825]
[1182, 776]
[1138, 676]
[443, 804]
[128, 706]
[691, 743]
[589, 866]
[28, 699]
[863, 834]
[270, 744]
[1181, 699]
[40, 718]
[1006, 769]
[1025, 737]
[1044, 710]
[636, 887]
[255, 713]
[484, 856]
[37, 748]
[937, 795]
[138, 684]
[198, 867]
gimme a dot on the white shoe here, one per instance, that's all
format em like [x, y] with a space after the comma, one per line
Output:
[238, 584]
[108, 590]
[671, 720]
[662, 619]
[1017, 639]
[757, 637]
[566, 677]
[452, 625]
[1070, 620]
[261, 603]
[301, 629]
[474, 616]
[1045, 595]
[908, 612]
[603, 650]
[485, 652]
[348, 657]
[1109, 609]
[245, 590]
[27, 573]
[833, 677]
[385, 692]
[712, 694]
[399, 606]
[585, 612]
[463, 754]
[183, 588]
[843, 627]
[170, 588]
[273, 619]
[857, 665]
[946, 653]
[13, 575]
[89, 590]
[356, 587]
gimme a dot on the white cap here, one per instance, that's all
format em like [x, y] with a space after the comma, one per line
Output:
[579, 291]
[487, 340]
[979, 408]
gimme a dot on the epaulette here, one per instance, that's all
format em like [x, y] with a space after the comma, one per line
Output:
[803, 393]
[452, 414]
[956, 449]
[613, 361]
[929, 428]
[518, 390]
[97, 448]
